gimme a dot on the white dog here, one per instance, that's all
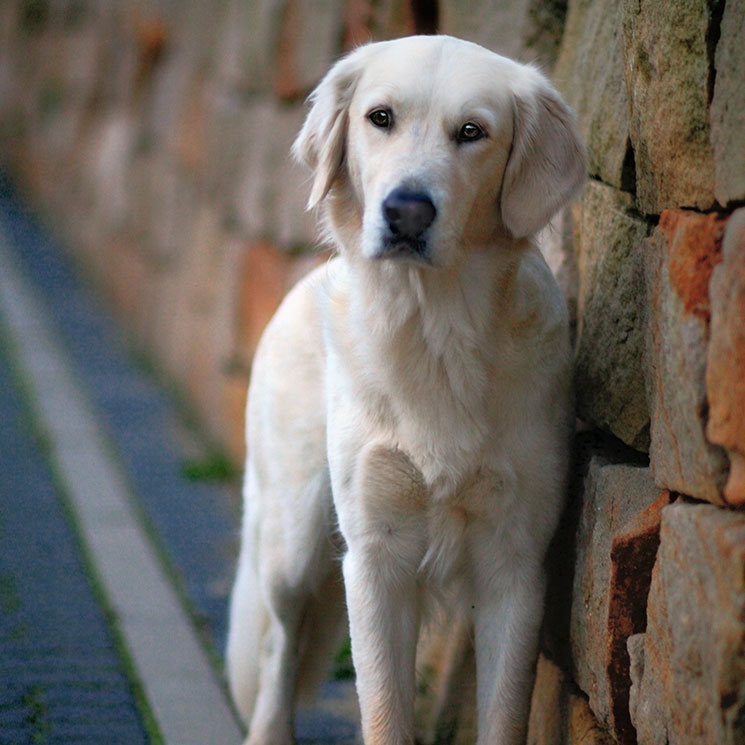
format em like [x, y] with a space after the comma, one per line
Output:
[410, 401]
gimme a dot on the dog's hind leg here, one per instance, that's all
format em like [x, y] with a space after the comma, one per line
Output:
[286, 607]
[321, 633]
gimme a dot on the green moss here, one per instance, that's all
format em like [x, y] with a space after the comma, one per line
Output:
[343, 669]
[215, 467]
[34, 699]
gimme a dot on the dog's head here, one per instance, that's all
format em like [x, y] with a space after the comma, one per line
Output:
[425, 147]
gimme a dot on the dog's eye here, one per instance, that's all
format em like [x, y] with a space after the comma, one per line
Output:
[382, 118]
[470, 132]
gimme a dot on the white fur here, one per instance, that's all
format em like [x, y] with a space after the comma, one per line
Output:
[421, 410]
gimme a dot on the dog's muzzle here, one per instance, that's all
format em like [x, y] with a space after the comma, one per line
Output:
[407, 215]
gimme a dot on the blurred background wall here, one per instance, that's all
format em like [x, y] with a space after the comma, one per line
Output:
[155, 137]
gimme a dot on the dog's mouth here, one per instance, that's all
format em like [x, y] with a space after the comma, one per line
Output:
[399, 248]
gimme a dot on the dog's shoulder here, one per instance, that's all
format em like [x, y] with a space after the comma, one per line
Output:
[540, 307]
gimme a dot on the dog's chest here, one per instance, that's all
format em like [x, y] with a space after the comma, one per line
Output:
[439, 398]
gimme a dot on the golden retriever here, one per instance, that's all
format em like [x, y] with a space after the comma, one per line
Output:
[409, 407]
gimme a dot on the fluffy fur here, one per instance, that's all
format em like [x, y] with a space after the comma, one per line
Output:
[409, 407]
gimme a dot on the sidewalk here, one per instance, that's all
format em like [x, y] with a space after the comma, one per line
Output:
[114, 567]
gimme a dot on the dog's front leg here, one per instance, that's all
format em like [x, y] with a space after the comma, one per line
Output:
[383, 621]
[507, 616]
[381, 519]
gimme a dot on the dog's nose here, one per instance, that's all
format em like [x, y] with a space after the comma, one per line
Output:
[407, 213]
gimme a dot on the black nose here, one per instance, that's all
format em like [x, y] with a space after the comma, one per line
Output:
[407, 213]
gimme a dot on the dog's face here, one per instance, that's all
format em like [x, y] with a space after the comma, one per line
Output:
[431, 147]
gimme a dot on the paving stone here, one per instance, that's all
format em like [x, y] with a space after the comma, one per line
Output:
[52, 642]
[196, 521]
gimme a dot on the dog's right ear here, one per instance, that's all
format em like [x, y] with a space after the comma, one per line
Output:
[321, 143]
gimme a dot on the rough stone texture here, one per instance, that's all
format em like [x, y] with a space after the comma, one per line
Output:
[307, 45]
[679, 258]
[594, 86]
[728, 107]
[264, 276]
[667, 75]
[496, 26]
[373, 20]
[689, 685]
[632, 557]
[543, 30]
[271, 189]
[548, 707]
[725, 362]
[614, 494]
[558, 714]
[156, 137]
[609, 366]
[249, 39]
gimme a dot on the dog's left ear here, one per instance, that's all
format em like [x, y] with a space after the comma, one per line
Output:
[322, 139]
[547, 163]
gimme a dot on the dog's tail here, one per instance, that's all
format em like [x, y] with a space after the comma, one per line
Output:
[249, 621]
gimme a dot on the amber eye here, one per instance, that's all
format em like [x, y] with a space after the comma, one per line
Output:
[382, 118]
[470, 132]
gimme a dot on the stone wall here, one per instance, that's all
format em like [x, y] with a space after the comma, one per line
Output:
[155, 137]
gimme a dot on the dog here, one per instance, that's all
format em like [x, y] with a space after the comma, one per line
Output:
[410, 411]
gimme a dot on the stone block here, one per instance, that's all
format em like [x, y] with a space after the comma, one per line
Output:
[105, 170]
[376, 20]
[178, 76]
[605, 592]
[543, 30]
[549, 704]
[679, 258]
[264, 277]
[308, 43]
[559, 715]
[226, 139]
[689, 682]
[609, 366]
[246, 55]
[667, 77]
[234, 391]
[725, 361]
[583, 728]
[633, 555]
[446, 679]
[496, 26]
[589, 73]
[272, 190]
[728, 106]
